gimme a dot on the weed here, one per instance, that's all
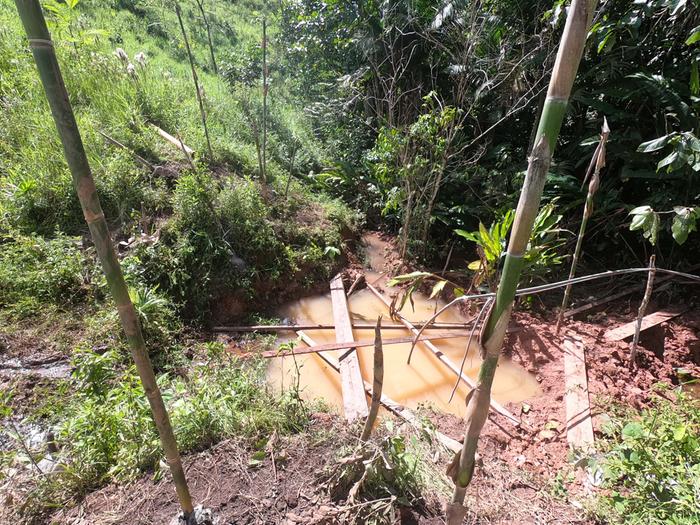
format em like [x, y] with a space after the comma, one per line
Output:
[651, 464]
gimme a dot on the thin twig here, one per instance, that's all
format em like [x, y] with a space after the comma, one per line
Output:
[642, 310]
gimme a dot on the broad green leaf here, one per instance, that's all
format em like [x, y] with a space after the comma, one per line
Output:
[632, 430]
[475, 265]
[439, 286]
[667, 161]
[654, 145]
[683, 223]
[407, 277]
[694, 36]
[679, 432]
[641, 210]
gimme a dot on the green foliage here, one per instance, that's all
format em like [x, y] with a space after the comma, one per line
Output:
[107, 432]
[542, 251]
[647, 220]
[651, 465]
[34, 270]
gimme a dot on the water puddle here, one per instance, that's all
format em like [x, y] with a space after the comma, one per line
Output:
[53, 370]
[425, 380]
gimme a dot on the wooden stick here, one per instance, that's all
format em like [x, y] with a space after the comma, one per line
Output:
[138, 157]
[355, 326]
[629, 290]
[497, 407]
[354, 344]
[175, 142]
[642, 310]
[195, 79]
[378, 381]
[388, 403]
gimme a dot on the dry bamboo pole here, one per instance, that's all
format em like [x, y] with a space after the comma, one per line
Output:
[642, 310]
[200, 4]
[195, 79]
[355, 326]
[377, 381]
[388, 403]
[264, 112]
[564, 72]
[52, 80]
[597, 162]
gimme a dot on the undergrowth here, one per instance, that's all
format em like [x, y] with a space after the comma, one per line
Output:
[106, 432]
[650, 464]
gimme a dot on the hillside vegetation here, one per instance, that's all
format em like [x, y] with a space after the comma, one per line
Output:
[416, 118]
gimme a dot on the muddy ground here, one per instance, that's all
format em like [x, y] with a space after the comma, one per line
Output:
[520, 477]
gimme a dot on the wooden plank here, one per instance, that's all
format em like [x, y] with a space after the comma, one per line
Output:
[388, 403]
[354, 402]
[497, 407]
[173, 140]
[627, 330]
[579, 426]
[354, 344]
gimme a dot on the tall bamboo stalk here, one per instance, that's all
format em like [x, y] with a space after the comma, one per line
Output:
[200, 4]
[264, 112]
[195, 79]
[597, 163]
[563, 75]
[52, 80]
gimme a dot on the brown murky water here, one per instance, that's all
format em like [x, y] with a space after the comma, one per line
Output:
[425, 380]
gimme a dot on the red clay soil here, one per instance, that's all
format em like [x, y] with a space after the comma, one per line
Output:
[610, 379]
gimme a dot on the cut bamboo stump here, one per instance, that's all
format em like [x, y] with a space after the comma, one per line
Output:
[392, 406]
[495, 406]
[627, 330]
[579, 426]
[354, 402]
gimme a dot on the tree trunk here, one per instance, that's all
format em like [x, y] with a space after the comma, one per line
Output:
[47, 64]
[565, 67]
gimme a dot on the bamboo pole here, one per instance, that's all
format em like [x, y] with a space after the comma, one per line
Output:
[597, 162]
[565, 67]
[195, 79]
[377, 382]
[264, 113]
[52, 80]
[200, 4]
[497, 407]
[355, 326]
[642, 310]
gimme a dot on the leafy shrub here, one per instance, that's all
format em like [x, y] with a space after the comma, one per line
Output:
[651, 465]
[43, 270]
[108, 432]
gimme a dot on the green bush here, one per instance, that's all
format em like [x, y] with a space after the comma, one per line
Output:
[38, 270]
[651, 465]
[108, 433]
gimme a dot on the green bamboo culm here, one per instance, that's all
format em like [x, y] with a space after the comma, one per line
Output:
[52, 80]
[563, 74]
